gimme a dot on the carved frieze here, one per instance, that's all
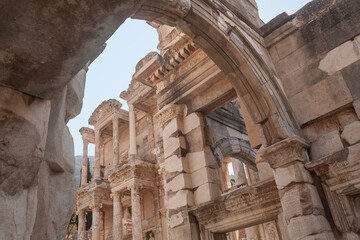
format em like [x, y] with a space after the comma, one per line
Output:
[128, 172]
[340, 171]
[105, 108]
[92, 195]
[241, 208]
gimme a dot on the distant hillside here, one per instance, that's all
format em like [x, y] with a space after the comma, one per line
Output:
[78, 164]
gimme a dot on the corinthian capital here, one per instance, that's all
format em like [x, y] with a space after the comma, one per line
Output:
[169, 112]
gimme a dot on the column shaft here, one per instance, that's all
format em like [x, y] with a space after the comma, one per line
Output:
[132, 130]
[117, 217]
[97, 155]
[239, 172]
[116, 140]
[136, 214]
[82, 225]
[84, 169]
[95, 230]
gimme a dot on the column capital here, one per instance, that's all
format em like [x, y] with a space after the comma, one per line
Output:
[96, 206]
[116, 194]
[136, 188]
[80, 212]
[131, 106]
[286, 151]
[169, 112]
[115, 118]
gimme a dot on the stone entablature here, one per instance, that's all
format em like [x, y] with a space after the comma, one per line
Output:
[94, 193]
[240, 208]
[106, 110]
[339, 169]
[128, 174]
[87, 134]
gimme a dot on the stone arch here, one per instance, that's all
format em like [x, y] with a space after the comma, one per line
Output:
[232, 45]
[236, 148]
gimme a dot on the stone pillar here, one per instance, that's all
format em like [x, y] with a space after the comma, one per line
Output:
[117, 216]
[178, 177]
[136, 213]
[84, 168]
[252, 233]
[116, 140]
[300, 201]
[132, 131]
[95, 229]
[239, 172]
[82, 225]
[97, 155]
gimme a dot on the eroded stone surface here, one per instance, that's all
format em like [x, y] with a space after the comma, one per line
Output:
[169, 158]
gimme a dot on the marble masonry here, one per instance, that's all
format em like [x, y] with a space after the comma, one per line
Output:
[236, 129]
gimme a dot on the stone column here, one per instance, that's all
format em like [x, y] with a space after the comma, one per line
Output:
[95, 229]
[136, 213]
[252, 233]
[116, 140]
[239, 172]
[97, 155]
[84, 168]
[117, 216]
[82, 225]
[132, 131]
[300, 201]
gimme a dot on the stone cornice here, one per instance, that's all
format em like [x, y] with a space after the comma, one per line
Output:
[152, 68]
[85, 130]
[106, 108]
[87, 134]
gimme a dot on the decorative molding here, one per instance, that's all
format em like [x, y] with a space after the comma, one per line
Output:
[286, 151]
[240, 208]
[146, 59]
[169, 112]
[131, 91]
[106, 107]
[340, 170]
[87, 130]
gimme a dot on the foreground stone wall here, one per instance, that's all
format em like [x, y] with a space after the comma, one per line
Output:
[37, 188]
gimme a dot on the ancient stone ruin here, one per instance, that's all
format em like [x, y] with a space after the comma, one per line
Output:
[279, 103]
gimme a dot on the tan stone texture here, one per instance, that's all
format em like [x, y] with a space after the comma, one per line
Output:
[279, 101]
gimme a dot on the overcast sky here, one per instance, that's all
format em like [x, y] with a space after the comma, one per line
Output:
[111, 72]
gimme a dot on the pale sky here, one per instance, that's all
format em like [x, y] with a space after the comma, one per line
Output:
[111, 72]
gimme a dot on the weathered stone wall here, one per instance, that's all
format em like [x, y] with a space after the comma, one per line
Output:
[316, 57]
[37, 188]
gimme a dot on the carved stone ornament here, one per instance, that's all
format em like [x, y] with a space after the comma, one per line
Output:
[106, 107]
[168, 113]
[131, 91]
[87, 130]
[286, 151]
[145, 59]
